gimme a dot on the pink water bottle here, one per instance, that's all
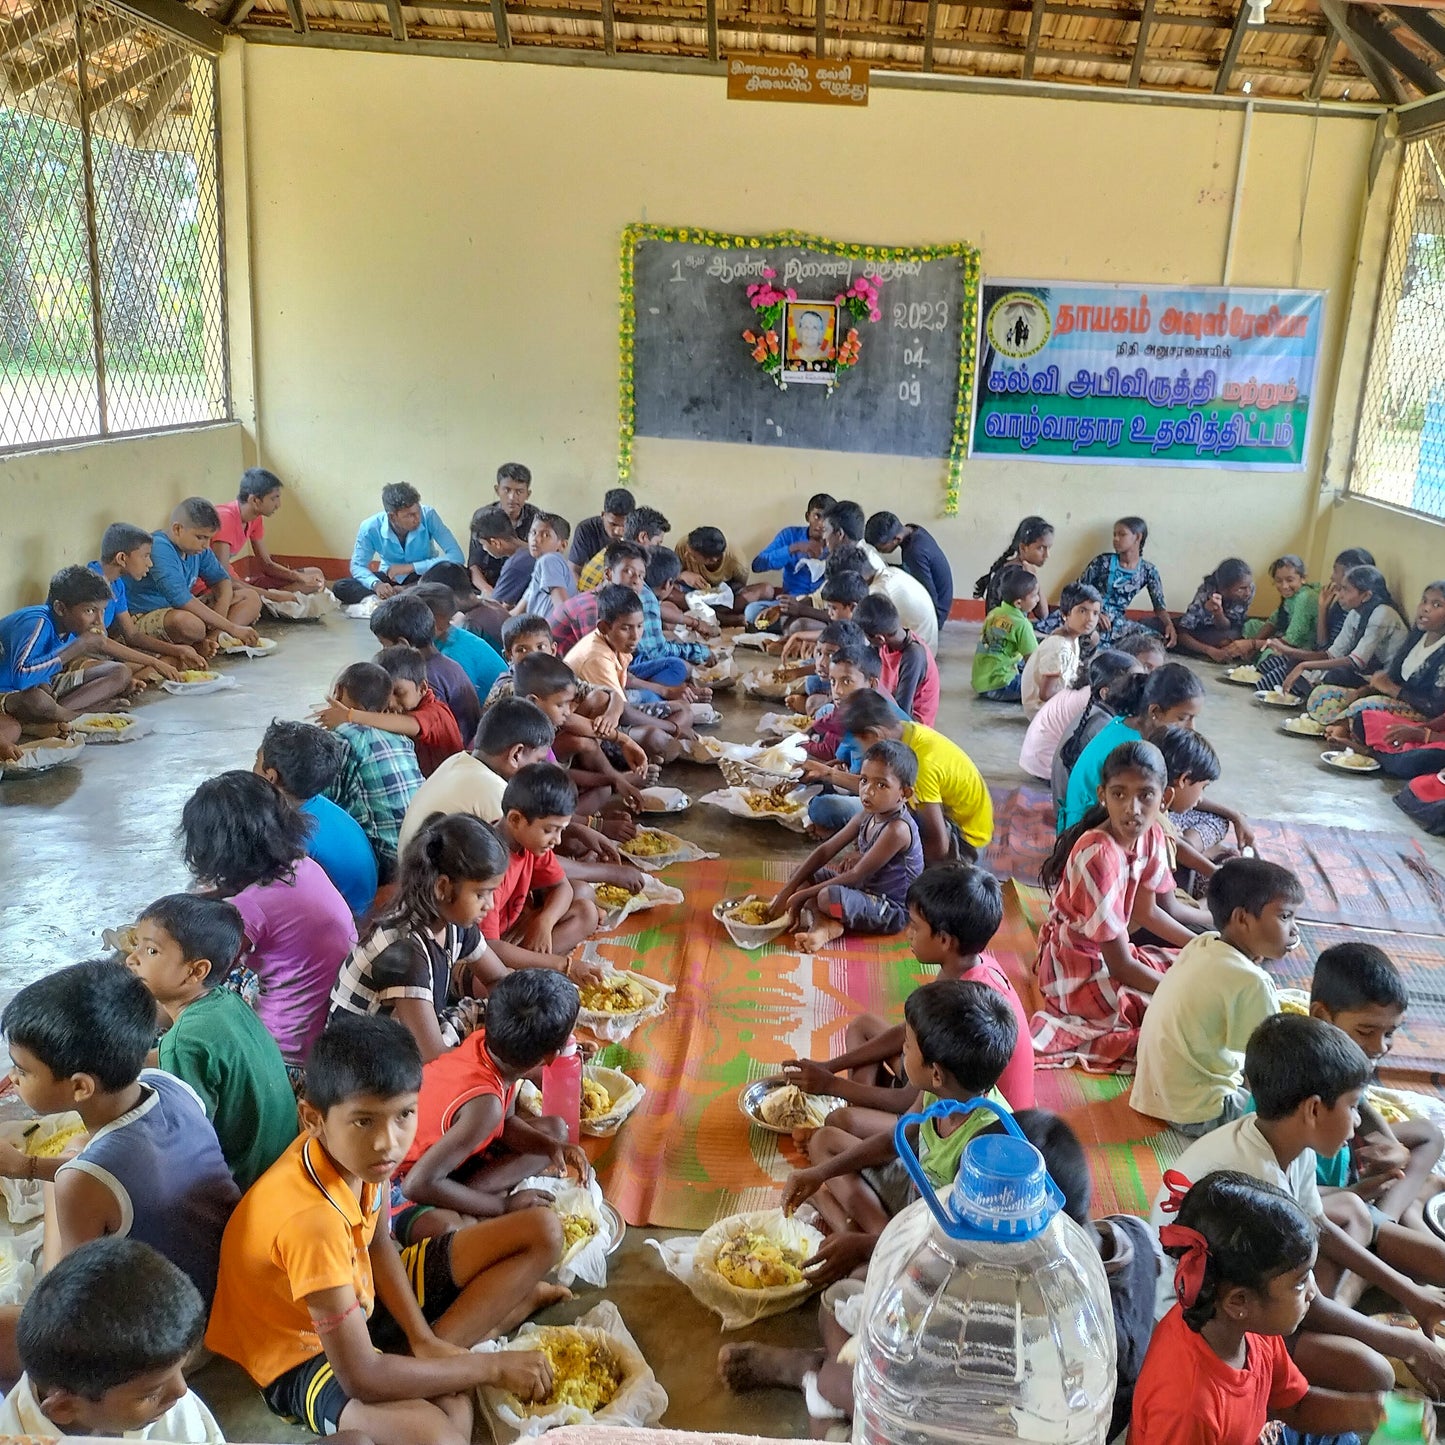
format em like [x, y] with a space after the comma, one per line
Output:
[562, 1088]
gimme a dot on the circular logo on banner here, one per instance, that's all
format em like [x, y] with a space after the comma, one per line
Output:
[1018, 324]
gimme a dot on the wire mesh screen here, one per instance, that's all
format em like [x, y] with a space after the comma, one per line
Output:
[1399, 454]
[112, 314]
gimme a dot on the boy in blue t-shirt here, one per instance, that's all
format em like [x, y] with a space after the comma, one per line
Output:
[476, 657]
[170, 601]
[303, 761]
[45, 655]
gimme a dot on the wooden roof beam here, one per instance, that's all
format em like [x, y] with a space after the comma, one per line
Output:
[1328, 46]
[396, 20]
[1141, 45]
[1420, 117]
[25, 78]
[37, 22]
[158, 103]
[1237, 32]
[609, 28]
[1031, 46]
[1425, 25]
[501, 24]
[237, 12]
[713, 48]
[930, 30]
[820, 28]
[145, 70]
[1377, 72]
[297, 16]
[1395, 53]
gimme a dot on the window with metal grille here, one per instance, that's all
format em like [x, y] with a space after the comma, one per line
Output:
[112, 312]
[1399, 454]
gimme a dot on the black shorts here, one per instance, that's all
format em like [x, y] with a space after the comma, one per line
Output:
[309, 1394]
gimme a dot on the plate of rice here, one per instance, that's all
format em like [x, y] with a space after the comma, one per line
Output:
[1303, 726]
[106, 727]
[1273, 697]
[779, 1106]
[1349, 761]
[46, 753]
[749, 921]
[1246, 675]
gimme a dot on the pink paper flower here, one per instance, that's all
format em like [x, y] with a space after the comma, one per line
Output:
[792, 295]
[839, 299]
[875, 315]
[769, 272]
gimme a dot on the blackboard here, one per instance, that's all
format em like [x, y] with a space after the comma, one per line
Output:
[693, 376]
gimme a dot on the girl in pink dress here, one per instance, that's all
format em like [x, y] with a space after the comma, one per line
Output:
[1109, 874]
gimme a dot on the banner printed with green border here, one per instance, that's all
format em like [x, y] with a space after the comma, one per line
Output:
[1146, 375]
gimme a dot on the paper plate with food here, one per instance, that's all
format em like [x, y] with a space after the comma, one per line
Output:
[608, 1097]
[234, 647]
[598, 1377]
[665, 800]
[784, 802]
[198, 680]
[44, 754]
[108, 727]
[780, 1106]
[1245, 675]
[617, 1003]
[720, 675]
[749, 921]
[587, 1226]
[653, 849]
[617, 902]
[1275, 697]
[747, 1266]
[766, 683]
[1303, 726]
[783, 724]
[1347, 760]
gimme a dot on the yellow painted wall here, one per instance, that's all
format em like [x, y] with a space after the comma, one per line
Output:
[434, 253]
[1409, 550]
[59, 501]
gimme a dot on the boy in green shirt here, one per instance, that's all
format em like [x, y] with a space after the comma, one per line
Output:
[184, 948]
[1007, 640]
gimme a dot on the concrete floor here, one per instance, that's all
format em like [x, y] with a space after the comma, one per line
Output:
[84, 848]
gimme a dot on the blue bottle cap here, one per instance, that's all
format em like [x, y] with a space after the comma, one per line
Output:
[1003, 1190]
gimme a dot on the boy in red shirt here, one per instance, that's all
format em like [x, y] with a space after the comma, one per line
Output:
[471, 1148]
[537, 805]
[910, 675]
[416, 712]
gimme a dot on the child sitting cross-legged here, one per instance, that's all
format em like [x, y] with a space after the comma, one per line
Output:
[910, 674]
[476, 657]
[1190, 764]
[471, 1148]
[868, 894]
[125, 555]
[416, 711]
[1107, 876]
[958, 1039]
[104, 1341]
[537, 918]
[1007, 640]
[152, 1167]
[243, 841]
[1214, 620]
[1292, 626]
[379, 775]
[1307, 1078]
[1216, 993]
[423, 958]
[954, 910]
[303, 762]
[1053, 665]
[813, 690]
[1357, 988]
[1219, 1366]
[552, 581]
[1029, 547]
[850, 669]
[339, 1329]
[407, 621]
[184, 949]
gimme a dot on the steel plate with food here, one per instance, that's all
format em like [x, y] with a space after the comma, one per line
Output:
[780, 1106]
[1349, 761]
[1273, 697]
[1246, 676]
[1303, 726]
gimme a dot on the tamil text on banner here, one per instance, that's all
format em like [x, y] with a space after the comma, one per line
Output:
[1159, 376]
[798, 78]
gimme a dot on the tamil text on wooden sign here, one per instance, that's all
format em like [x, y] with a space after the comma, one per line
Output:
[798, 78]
[1150, 375]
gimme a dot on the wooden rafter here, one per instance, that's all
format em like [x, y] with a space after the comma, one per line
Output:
[930, 30]
[154, 63]
[1141, 45]
[1031, 45]
[396, 19]
[25, 78]
[1328, 46]
[609, 28]
[712, 36]
[1227, 62]
[820, 28]
[36, 23]
[1386, 84]
[1395, 53]
[1423, 24]
[237, 12]
[501, 24]
[297, 12]
[163, 93]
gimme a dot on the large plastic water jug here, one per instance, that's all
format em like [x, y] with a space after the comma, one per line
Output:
[998, 1325]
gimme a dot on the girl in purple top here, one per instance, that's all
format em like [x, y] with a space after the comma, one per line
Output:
[245, 842]
[869, 894]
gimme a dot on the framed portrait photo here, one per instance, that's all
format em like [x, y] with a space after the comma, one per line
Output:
[810, 345]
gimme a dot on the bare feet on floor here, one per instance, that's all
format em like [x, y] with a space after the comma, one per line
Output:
[824, 932]
[765, 1367]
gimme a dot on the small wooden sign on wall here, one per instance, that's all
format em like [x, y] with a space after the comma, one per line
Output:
[799, 78]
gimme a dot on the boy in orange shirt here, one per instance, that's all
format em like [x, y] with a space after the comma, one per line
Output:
[316, 1304]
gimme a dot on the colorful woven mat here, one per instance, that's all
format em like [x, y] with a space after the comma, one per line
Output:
[688, 1156]
[1023, 832]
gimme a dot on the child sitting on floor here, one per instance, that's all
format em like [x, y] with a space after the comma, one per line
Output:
[958, 1039]
[1219, 1365]
[851, 669]
[1307, 1078]
[537, 919]
[1120, 576]
[104, 1341]
[954, 910]
[923, 558]
[423, 958]
[408, 621]
[1216, 993]
[185, 948]
[910, 674]
[471, 1148]
[592, 534]
[243, 841]
[1357, 988]
[416, 712]
[1053, 665]
[1108, 875]
[379, 775]
[57, 651]
[1291, 626]
[1215, 618]
[303, 762]
[1196, 828]
[869, 894]
[551, 582]
[476, 657]
[338, 1328]
[814, 689]
[152, 1167]
[1007, 640]
[125, 555]
[1029, 547]
[1058, 719]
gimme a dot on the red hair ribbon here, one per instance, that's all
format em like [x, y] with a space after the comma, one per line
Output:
[1178, 1186]
[1189, 1271]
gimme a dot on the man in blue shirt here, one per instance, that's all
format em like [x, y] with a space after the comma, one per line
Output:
[793, 547]
[188, 597]
[44, 652]
[302, 760]
[406, 537]
[923, 558]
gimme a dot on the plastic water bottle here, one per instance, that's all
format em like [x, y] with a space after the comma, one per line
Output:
[998, 1326]
[1409, 1420]
[562, 1088]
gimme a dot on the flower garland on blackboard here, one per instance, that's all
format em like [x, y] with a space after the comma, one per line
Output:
[770, 303]
[638, 232]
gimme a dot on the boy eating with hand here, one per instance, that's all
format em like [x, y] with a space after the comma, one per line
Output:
[338, 1328]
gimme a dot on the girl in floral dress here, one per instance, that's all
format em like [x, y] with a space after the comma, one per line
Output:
[1108, 875]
